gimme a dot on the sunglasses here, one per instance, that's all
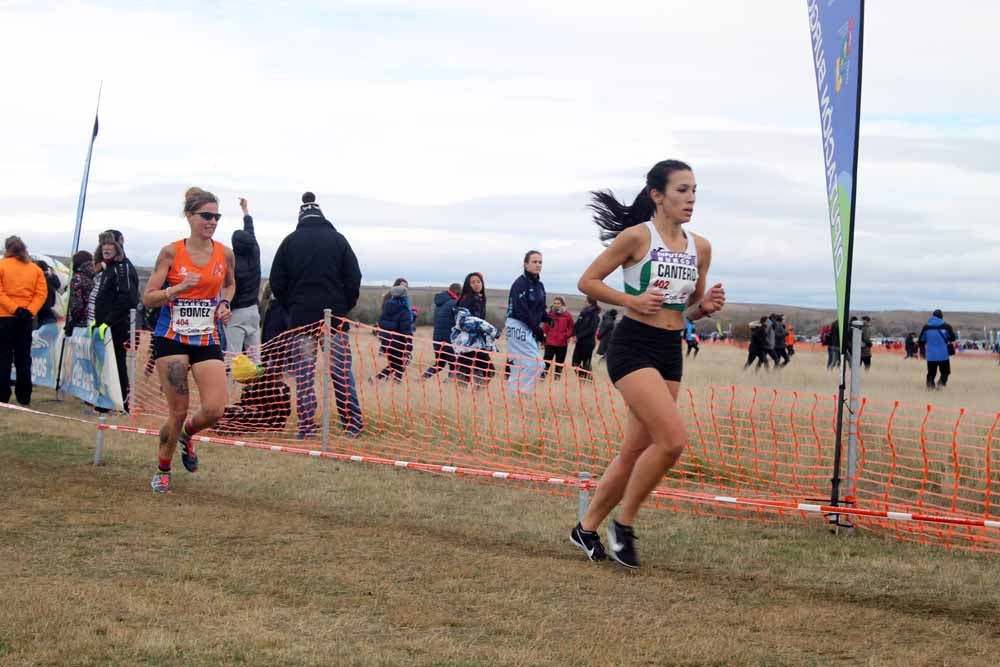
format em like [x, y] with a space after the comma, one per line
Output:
[208, 217]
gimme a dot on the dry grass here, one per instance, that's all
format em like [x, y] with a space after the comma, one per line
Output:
[269, 559]
[974, 382]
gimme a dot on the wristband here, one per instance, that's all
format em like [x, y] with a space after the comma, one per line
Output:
[225, 301]
[704, 312]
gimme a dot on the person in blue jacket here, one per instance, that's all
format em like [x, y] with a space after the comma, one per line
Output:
[395, 333]
[937, 340]
[691, 337]
[526, 310]
[445, 305]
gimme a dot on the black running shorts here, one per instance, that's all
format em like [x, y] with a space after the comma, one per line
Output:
[635, 345]
[166, 347]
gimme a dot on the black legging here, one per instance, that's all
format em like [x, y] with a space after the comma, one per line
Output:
[692, 345]
[758, 354]
[555, 353]
[398, 355]
[444, 355]
[582, 354]
[475, 366]
[15, 349]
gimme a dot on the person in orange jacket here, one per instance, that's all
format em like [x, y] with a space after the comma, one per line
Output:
[790, 341]
[22, 293]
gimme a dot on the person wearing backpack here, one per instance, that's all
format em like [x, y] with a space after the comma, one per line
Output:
[937, 340]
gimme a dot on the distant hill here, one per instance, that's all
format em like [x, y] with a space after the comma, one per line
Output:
[807, 321]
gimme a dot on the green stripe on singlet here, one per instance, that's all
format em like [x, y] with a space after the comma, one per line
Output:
[644, 275]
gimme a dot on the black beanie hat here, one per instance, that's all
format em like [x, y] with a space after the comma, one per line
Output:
[310, 209]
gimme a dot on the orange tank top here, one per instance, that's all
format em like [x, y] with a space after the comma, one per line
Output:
[190, 318]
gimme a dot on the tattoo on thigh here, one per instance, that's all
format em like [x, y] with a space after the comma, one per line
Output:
[177, 377]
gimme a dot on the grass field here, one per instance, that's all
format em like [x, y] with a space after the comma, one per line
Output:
[270, 559]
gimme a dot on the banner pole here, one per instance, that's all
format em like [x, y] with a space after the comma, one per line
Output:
[80, 204]
[328, 376]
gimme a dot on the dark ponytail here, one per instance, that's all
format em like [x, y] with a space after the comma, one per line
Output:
[614, 217]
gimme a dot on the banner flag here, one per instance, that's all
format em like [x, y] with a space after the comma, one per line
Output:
[89, 371]
[836, 28]
[82, 200]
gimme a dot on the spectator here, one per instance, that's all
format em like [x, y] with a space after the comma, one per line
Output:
[445, 306]
[585, 332]
[474, 364]
[830, 337]
[133, 275]
[275, 317]
[47, 314]
[243, 330]
[790, 341]
[525, 316]
[910, 344]
[769, 339]
[315, 268]
[937, 339]
[264, 407]
[395, 334]
[80, 287]
[114, 295]
[605, 331]
[866, 342]
[758, 345]
[780, 333]
[558, 330]
[474, 337]
[22, 293]
[691, 338]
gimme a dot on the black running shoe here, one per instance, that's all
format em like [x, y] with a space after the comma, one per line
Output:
[588, 541]
[188, 457]
[622, 539]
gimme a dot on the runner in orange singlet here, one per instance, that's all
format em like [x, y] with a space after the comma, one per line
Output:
[193, 281]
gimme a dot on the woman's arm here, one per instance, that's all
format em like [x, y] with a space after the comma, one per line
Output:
[155, 296]
[701, 304]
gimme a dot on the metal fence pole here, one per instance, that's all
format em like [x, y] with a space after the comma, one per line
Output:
[102, 421]
[130, 356]
[584, 500]
[852, 433]
[328, 377]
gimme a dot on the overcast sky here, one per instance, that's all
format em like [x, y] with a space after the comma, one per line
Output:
[454, 136]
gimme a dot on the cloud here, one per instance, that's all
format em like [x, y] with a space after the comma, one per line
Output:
[454, 135]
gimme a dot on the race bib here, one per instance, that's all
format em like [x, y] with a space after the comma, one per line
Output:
[193, 317]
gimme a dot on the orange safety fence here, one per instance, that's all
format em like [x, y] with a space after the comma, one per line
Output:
[924, 473]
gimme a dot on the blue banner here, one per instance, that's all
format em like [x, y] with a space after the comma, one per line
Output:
[45, 341]
[836, 30]
[89, 371]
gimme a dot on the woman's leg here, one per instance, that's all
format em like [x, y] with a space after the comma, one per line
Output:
[560, 360]
[22, 361]
[654, 402]
[6, 356]
[173, 372]
[213, 389]
[550, 353]
[611, 487]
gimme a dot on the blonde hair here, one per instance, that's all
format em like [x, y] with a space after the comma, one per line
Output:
[195, 198]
